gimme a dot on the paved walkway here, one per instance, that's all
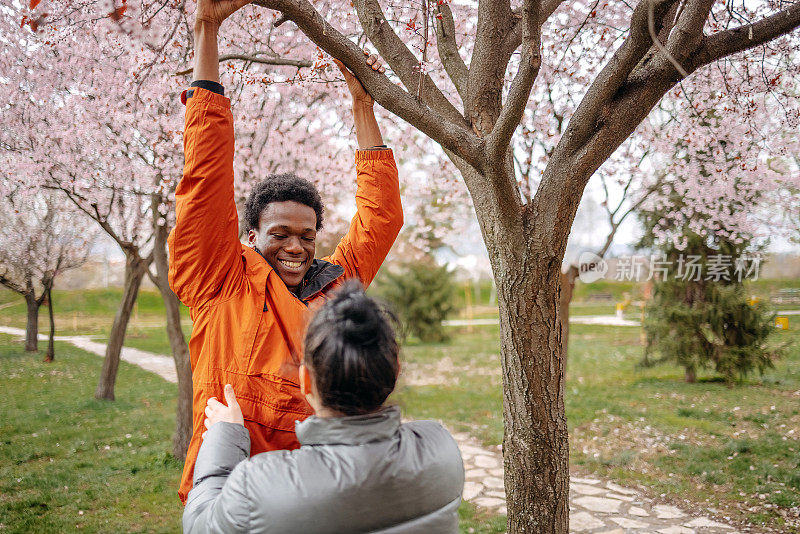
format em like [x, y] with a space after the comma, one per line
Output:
[596, 506]
[163, 366]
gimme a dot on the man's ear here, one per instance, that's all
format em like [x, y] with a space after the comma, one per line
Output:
[251, 237]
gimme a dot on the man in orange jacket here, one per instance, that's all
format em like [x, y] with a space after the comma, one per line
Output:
[249, 303]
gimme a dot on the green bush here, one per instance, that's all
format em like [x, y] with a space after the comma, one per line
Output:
[708, 325]
[701, 321]
[421, 294]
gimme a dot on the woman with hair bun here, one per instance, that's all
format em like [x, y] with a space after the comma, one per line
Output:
[359, 469]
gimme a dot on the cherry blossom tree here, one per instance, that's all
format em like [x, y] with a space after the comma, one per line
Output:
[39, 242]
[474, 117]
[119, 162]
[588, 73]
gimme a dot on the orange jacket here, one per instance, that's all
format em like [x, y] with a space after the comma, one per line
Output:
[247, 326]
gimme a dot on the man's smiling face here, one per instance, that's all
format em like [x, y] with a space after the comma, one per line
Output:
[286, 236]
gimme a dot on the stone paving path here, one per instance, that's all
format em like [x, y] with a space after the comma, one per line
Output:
[595, 506]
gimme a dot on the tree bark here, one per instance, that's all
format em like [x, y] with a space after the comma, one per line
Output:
[32, 325]
[177, 341]
[180, 353]
[690, 375]
[51, 353]
[135, 268]
[535, 438]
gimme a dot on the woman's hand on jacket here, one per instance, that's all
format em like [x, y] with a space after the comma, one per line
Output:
[217, 412]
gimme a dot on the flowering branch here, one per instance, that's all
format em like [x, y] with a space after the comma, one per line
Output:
[280, 61]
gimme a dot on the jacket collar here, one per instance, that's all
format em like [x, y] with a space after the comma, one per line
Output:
[319, 276]
[351, 430]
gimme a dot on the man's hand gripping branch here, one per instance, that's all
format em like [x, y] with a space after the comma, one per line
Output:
[209, 16]
[368, 133]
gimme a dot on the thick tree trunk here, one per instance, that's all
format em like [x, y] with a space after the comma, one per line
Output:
[535, 440]
[177, 341]
[135, 268]
[51, 351]
[32, 325]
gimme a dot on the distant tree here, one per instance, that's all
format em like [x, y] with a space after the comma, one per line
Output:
[701, 322]
[421, 293]
[700, 317]
[39, 240]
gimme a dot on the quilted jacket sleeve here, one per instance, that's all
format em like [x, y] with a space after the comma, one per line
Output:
[218, 501]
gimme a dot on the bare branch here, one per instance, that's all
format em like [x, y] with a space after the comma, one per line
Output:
[10, 284]
[514, 38]
[280, 61]
[614, 74]
[487, 67]
[745, 37]
[426, 26]
[448, 129]
[651, 27]
[448, 48]
[510, 116]
[402, 61]
[688, 32]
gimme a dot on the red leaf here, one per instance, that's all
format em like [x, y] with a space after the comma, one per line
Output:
[35, 3]
[116, 15]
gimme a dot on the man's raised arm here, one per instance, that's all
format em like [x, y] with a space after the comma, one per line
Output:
[380, 214]
[204, 245]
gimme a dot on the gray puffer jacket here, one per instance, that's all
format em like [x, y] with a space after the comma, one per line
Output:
[351, 474]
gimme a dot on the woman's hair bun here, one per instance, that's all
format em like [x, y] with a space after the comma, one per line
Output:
[356, 315]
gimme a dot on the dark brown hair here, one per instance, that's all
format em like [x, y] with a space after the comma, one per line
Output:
[351, 351]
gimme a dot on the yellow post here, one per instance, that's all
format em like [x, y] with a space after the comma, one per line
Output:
[782, 322]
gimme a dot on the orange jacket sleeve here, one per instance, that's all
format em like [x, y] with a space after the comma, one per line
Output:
[204, 246]
[378, 220]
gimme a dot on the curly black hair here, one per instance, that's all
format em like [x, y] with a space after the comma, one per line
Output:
[279, 188]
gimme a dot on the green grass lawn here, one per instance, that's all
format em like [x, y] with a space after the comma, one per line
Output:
[86, 312]
[69, 462]
[733, 449]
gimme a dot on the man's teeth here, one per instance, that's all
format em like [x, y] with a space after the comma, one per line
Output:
[291, 264]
